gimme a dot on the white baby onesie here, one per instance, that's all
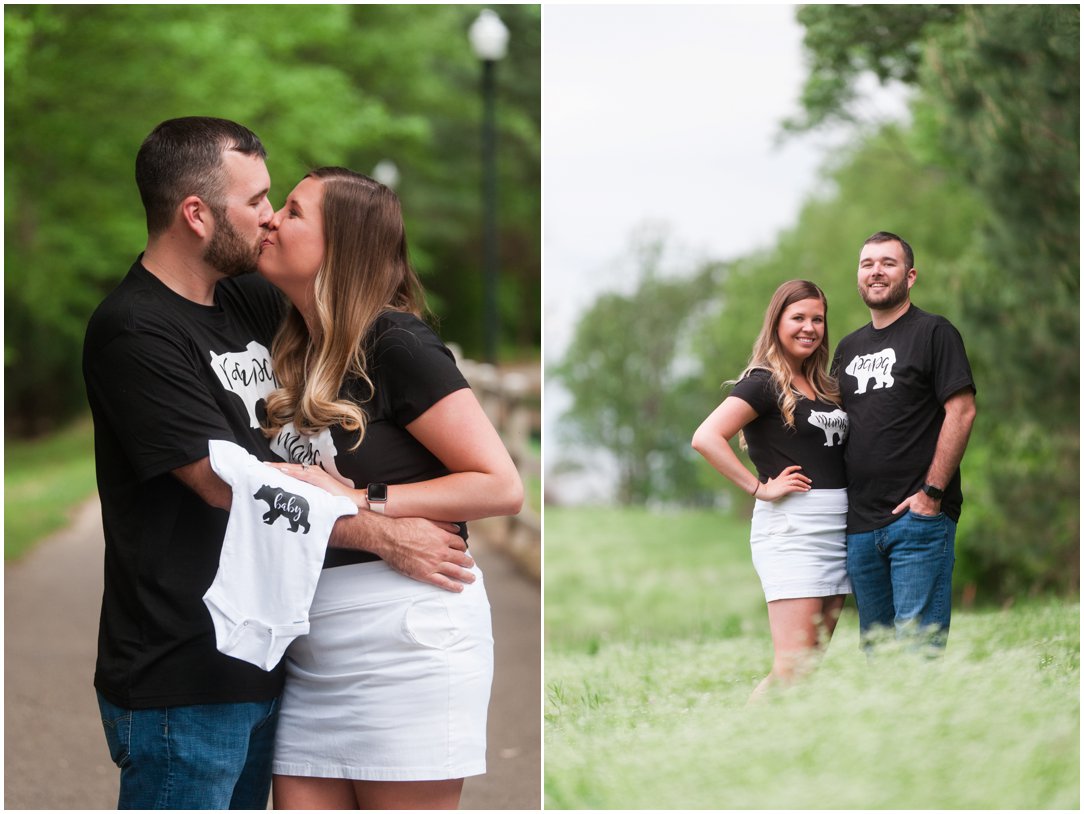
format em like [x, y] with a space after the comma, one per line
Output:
[271, 557]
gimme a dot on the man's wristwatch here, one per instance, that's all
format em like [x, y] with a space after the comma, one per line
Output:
[376, 494]
[933, 491]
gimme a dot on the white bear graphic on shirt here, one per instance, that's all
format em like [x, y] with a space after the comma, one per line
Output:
[318, 450]
[247, 374]
[834, 425]
[877, 366]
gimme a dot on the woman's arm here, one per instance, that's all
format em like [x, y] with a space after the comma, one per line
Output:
[712, 440]
[483, 482]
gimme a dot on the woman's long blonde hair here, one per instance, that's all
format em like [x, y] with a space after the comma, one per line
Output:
[365, 272]
[767, 355]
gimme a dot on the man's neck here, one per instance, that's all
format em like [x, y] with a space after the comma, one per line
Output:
[188, 276]
[882, 319]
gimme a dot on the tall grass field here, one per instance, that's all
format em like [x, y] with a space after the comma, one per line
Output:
[656, 633]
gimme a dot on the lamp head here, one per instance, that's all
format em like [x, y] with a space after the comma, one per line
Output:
[488, 36]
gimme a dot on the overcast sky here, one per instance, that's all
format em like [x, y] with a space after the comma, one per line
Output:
[664, 115]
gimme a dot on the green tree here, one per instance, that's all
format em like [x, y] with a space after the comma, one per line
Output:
[1003, 91]
[342, 84]
[845, 43]
[630, 372]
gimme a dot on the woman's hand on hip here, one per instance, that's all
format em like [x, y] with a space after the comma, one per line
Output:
[787, 481]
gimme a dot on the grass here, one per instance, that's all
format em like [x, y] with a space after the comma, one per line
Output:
[44, 480]
[533, 483]
[656, 634]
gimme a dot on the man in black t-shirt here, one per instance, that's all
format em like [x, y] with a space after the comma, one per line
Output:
[175, 356]
[908, 391]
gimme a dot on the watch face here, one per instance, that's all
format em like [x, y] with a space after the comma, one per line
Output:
[377, 491]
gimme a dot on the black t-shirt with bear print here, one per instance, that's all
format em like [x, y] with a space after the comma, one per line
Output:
[815, 442]
[894, 382]
[164, 376]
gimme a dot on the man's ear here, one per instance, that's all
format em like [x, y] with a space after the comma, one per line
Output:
[196, 215]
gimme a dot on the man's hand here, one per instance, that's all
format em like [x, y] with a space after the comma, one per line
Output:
[920, 503]
[430, 552]
[417, 548]
[951, 443]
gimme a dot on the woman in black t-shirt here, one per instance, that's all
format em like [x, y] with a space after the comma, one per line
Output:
[385, 700]
[787, 408]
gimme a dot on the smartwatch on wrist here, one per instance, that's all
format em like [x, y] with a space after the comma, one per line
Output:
[377, 496]
[933, 491]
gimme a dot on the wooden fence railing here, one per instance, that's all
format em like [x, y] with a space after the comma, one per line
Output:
[512, 400]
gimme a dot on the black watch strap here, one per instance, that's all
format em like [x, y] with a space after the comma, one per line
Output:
[933, 491]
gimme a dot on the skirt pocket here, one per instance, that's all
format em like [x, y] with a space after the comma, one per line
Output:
[429, 622]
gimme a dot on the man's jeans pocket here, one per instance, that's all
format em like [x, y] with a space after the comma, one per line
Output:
[117, 723]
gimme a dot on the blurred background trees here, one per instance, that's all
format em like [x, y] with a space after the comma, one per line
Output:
[352, 85]
[624, 372]
[984, 183]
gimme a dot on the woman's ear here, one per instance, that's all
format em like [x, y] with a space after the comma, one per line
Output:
[196, 215]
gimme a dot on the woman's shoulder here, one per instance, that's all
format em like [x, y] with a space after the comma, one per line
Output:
[397, 332]
[756, 377]
[399, 327]
[758, 374]
[757, 387]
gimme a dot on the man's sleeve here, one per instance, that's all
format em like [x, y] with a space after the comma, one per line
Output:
[149, 390]
[951, 369]
[834, 369]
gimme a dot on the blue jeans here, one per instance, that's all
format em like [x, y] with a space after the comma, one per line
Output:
[902, 578]
[205, 756]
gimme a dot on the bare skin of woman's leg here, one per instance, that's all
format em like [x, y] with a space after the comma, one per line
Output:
[414, 794]
[324, 794]
[319, 793]
[801, 628]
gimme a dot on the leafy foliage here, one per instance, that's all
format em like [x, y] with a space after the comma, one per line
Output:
[629, 397]
[1003, 90]
[335, 84]
[845, 42]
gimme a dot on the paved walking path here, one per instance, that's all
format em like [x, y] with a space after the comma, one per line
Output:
[54, 750]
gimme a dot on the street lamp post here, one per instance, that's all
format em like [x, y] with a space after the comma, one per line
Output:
[489, 40]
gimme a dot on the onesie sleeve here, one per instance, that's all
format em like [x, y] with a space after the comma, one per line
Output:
[416, 369]
[758, 391]
[227, 460]
[150, 390]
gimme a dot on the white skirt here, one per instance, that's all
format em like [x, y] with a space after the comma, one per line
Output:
[391, 683]
[799, 544]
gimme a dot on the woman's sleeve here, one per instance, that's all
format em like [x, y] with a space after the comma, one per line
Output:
[757, 391]
[415, 366]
